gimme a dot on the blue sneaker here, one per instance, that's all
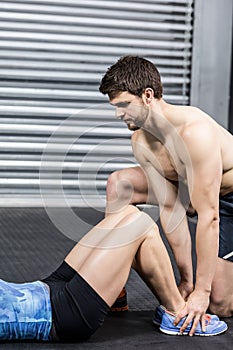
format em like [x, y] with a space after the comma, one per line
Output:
[160, 310]
[213, 327]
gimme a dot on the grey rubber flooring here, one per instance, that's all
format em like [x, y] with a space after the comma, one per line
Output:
[31, 247]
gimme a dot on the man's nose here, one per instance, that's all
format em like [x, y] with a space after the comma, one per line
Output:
[119, 114]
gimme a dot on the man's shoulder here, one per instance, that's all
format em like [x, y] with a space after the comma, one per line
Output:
[141, 135]
[199, 142]
[138, 136]
[138, 141]
[197, 130]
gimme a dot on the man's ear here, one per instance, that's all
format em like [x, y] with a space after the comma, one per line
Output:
[148, 96]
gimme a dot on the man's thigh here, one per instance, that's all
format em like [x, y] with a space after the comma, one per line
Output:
[223, 277]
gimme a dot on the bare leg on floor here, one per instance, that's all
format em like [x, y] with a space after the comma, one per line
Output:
[105, 265]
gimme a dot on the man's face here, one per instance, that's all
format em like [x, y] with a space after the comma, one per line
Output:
[130, 109]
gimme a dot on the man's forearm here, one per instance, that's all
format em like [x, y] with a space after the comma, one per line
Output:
[207, 236]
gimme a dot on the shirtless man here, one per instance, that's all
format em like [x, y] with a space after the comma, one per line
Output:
[178, 147]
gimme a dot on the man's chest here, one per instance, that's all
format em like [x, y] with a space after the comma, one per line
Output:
[165, 159]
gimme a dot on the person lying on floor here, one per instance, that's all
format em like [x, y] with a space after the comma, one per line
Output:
[71, 304]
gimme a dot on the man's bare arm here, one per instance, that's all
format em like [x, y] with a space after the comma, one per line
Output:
[204, 173]
[172, 216]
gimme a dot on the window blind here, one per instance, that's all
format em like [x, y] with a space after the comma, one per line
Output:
[53, 120]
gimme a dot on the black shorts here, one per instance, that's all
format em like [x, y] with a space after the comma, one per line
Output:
[77, 309]
[226, 227]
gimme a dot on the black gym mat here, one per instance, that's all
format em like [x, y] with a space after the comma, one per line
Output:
[31, 247]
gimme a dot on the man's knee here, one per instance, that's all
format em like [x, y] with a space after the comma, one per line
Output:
[221, 298]
[220, 305]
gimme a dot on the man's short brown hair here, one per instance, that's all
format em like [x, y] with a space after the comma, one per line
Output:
[132, 74]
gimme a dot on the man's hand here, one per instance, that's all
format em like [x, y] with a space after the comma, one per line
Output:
[196, 307]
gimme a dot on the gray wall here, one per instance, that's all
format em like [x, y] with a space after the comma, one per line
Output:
[211, 59]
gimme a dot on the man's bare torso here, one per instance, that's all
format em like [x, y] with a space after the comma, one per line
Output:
[169, 153]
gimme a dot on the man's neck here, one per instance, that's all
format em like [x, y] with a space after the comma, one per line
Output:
[157, 122]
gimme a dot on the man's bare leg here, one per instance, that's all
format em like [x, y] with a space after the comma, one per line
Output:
[221, 299]
[150, 261]
[124, 187]
[107, 269]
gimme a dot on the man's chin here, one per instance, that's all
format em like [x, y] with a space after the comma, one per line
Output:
[132, 127]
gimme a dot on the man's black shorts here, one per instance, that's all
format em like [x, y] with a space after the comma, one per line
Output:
[77, 309]
[226, 227]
